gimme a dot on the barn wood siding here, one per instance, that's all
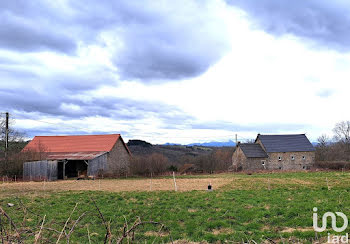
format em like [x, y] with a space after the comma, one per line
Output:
[40, 170]
[98, 165]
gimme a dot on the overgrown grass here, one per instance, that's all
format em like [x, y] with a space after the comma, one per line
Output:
[264, 206]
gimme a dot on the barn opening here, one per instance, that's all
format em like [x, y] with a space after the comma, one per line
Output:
[60, 168]
[75, 168]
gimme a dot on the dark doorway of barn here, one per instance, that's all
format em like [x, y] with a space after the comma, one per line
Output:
[60, 167]
[75, 168]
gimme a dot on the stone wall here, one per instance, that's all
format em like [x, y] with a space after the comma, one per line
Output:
[238, 159]
[291, 160]
[286, 162]
[255, 164]
[241, 162]
[118, 160]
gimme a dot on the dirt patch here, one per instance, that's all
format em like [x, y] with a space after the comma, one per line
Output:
[290, 230]
[188, 242]
[117, 185]
[155, 233]
[222, 231]
[190, 210]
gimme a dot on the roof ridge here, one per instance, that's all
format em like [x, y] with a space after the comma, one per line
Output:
[81, 135]
[282, 134]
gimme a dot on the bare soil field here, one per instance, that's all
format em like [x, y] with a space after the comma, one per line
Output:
[119, 185]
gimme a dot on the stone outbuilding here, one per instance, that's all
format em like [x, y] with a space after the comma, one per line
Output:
[274, 152]
[61, 157]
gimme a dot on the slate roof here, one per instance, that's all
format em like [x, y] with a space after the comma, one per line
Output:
[251, 150]
[286, 143]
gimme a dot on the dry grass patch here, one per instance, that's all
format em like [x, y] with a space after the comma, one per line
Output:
[222, 231]
[117, 185]
[155, 233]
[188, 242]
[190, 210]
[290, 230]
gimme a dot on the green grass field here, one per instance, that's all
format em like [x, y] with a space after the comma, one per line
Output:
[259, 207]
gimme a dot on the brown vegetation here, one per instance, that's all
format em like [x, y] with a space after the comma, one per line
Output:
[118, 185]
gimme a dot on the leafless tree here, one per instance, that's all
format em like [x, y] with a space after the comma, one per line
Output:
[323, 141]
[342, 132]
[155, 163]
[14, 135]
[323, 148]
[15, 138]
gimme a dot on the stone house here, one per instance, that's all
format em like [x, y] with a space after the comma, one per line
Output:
[274, 152]
[61, 157]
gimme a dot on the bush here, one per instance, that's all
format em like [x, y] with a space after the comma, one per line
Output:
[155, 163]
[335, 165]
[218, 160]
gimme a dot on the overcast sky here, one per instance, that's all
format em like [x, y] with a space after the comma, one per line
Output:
[175, 71]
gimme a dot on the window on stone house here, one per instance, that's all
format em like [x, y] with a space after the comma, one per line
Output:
[263, 162]
[279, 158]
[304, 157]
[293, 158]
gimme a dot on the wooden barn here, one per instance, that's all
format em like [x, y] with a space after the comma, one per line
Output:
[62, 157]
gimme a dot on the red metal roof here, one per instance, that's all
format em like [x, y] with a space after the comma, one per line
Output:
[66, 144]
[73, 155]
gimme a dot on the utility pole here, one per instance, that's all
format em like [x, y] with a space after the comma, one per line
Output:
[236, 154]
[7, 135]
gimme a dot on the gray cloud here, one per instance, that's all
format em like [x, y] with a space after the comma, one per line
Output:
[156, 42]
[33, 26]
[159, 41]
[258, 128]
[173, 40]
[325, 22]
[64, 99]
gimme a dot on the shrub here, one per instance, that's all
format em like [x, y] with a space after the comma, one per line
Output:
[155, 163]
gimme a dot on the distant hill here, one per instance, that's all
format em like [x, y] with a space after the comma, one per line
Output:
[139, 143]
[174, 152]
[215, 144]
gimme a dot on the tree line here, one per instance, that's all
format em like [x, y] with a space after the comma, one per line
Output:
[219, 160]
[334, 151]
[331, 152]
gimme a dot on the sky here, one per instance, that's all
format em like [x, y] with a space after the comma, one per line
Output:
[175, 71]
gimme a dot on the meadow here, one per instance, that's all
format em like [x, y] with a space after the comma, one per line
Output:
[269, 208]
